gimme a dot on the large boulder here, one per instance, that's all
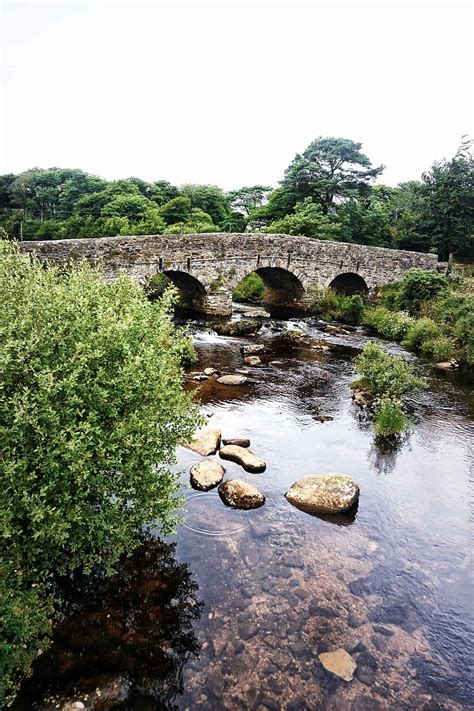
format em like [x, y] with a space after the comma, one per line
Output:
[243, 456]
[252, 349]
[236, 328]
[206, 441]
[324, 493]
[240, 495]
[206, 475]
[232, 380]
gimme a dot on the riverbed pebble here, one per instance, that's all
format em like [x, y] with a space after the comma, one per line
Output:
[324, 493]
[243, 456]
[339, 663]
[206, 475]
[240, 495]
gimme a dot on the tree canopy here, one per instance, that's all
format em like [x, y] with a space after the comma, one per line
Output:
[327, 192]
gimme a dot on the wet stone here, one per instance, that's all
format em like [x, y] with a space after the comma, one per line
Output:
[324, 494]
[275, 686]
[392, 613]
[379, 643]
[232, 380]
[356, 619]
[206, 441]
[206, 475]
[383, 630]
[249, 461]
[321, 611]
[339, 663]
[238, 441]
[239, 495]
[301, 593]
[248, 630]
[366, 703]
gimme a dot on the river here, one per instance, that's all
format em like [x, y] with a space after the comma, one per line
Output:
[233, 612]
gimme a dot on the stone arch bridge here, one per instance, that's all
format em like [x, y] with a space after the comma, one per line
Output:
[207, 267]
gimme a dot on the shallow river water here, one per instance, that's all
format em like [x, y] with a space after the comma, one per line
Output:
[235, 615]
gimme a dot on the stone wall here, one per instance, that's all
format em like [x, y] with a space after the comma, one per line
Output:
[220, 260]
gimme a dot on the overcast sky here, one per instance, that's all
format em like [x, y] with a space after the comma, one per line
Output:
[227, 93]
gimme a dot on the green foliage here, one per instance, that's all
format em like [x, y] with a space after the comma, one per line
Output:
[424, 329]
[329, 169]
[441, 348]
[157, 285]
[332, 306]
[197, 221]
[383, 374]
[449, 194]
[250, 288]
[307, 220]
[393, 325]
[464, 332]
[389, 418]
[91, 411]
[418, 286]
[247, 199]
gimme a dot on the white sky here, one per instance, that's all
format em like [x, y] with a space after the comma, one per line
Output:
[227, 93]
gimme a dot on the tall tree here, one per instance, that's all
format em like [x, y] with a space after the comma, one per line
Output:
[330, 169]
[449, 192]
[248, 198]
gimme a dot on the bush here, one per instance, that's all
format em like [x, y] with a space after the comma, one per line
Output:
[91, 411]
[250, 288]
[383, 374]
[389, 418]
[425, 329]
[333, 306]
[464, 332]
[390, 324]
[418, 286]
[441, 348]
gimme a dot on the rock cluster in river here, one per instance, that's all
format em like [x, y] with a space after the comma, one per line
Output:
[324, 494]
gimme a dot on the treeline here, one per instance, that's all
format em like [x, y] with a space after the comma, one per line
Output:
[327, 192]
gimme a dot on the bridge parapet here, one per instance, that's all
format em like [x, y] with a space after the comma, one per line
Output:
[290, 266]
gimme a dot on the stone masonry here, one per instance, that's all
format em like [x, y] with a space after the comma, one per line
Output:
[207, 267]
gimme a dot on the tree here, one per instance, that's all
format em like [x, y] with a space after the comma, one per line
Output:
[329, 170]
[307, 220]
[250, 198]
[176, 210]
[198, 221]
[449, 214]
[92, 409]
[210, 199]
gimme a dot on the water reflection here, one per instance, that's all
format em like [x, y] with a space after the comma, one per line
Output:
[128, 635]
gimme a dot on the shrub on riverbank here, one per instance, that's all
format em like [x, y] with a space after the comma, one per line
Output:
[91, 411]
[329, 305]
[443, 325]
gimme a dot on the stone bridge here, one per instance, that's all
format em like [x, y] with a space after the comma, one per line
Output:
[207, 267]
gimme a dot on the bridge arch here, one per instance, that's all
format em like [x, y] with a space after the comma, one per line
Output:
[284, 292]
[349, 283]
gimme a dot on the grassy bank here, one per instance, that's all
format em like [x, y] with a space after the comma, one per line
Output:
[428, 313]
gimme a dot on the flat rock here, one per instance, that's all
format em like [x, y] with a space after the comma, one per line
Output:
[242, 456]
[339, 663]
[206, 475]
[238, 441]
[324, 493]
[206, 441]
[232, 380]
[445, 365]
[210, 371]
[240, 495]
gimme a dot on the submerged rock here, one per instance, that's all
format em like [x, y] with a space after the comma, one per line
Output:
[324, 418]
[206, 475]
[339, 663]
[232, 380]
[324, 493]
[206, 441]
[239, 442]
[249, 461]
[252, 360]
[240, 495]
[336, 330]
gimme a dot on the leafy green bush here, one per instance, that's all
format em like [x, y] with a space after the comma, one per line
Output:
[389, 418]
[390, 324]
[383, 374]
[441, 348]
[250, 288]
[464, 332]
[418, 286]
[333, 306]
[424, 329]
[91, 411]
